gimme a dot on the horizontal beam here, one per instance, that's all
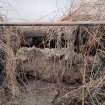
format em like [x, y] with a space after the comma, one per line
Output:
[54, 24]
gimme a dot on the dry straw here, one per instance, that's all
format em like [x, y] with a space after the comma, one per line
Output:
[10, 68]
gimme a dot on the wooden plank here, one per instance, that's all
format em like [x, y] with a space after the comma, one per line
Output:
[54, 24]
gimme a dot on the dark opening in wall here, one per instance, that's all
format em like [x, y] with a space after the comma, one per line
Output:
[42, 42]
[76, 41]
[81, 39]
[2, 66]
[37, 41]
[1, 73]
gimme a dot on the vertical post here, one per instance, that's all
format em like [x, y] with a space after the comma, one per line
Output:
[11, 73]
[10, 69]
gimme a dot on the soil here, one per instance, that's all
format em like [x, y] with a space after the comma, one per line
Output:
[38, 93]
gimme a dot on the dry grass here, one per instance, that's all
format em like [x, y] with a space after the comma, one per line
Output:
[80, 63]
[10, 68]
